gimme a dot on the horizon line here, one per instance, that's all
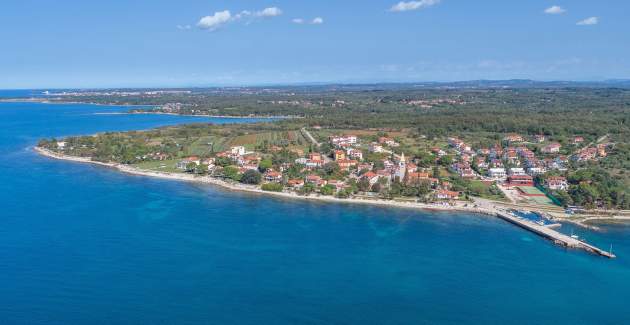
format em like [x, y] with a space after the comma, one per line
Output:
[324, 83]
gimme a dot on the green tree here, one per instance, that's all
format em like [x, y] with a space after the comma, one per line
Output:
[264, 165]
[251, 176]
[327, 189]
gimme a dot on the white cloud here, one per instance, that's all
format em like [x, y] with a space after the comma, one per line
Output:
[555, 10]
[413, 5]
[588, 21]
[317, 21]
[215, 21]
[297, 21]
[184, 27]
[221, 18]
[269, 12]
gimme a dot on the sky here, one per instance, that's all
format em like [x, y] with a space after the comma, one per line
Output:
[196, 43]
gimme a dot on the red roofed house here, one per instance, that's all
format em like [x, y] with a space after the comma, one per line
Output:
[447, 195]
[295, 183]
[520, 180]
[346, 164]
[551, 148]
[273, 176]
[557, 183]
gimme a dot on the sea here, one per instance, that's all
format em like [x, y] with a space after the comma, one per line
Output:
[83, 244]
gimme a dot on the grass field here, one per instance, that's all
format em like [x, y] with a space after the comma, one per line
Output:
[163, 166]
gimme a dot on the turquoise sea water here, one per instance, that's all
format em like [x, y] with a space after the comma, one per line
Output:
[83, 244]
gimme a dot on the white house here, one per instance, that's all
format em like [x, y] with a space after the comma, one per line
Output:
[497, 173]
[238, 150]
[557, 183]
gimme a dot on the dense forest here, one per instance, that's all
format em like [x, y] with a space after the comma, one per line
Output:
[437, 111]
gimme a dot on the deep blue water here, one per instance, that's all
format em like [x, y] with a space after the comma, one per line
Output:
[83, 244]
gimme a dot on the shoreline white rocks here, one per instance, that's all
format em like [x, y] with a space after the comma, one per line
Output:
[460, 207]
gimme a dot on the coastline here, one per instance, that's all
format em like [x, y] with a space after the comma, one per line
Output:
[460, 207]
[56, 101]
[60, 102]
[217, 116]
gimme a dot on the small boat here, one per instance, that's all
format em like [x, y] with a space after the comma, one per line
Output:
[541, 222]
[574, 236]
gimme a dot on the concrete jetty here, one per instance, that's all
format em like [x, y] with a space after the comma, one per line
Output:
[551, 234]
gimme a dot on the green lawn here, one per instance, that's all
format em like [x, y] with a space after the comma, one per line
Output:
[163, 166]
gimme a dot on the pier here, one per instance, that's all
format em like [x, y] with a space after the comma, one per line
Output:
[547, 232]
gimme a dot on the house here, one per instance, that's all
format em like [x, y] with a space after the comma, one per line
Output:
[314, 163]
[315, 156]
[346, 163]
[497, 173]
[340, 155]
[371, 177]
[539, 138]
[446, 195]
[182, 164]
[388, 141]
[496, 163]
[535, 170]
[516, 171]
[520, 180]
[551, 148]
[578, 140]
[61, 145]
[354, 153]
[347, 139]
[585, 154]
[463, 169]
[273, 176]
[314, 179]
[339, 185]
[208, 161]
[557, 183]
[511, 155]
[295, 183]
[513, 138]
[237, 150]
[481, 162]
[375, 148]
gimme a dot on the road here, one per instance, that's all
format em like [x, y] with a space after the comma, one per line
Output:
[310, 137]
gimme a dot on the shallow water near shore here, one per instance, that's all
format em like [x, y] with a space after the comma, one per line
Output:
[81, 244]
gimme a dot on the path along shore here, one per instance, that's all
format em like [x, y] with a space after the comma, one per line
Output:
[458, 206]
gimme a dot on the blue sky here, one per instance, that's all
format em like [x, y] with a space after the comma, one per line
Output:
[145, 43]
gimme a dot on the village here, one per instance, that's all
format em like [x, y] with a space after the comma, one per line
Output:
[516, 169]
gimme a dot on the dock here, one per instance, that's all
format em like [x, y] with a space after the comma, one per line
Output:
[551, 234]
